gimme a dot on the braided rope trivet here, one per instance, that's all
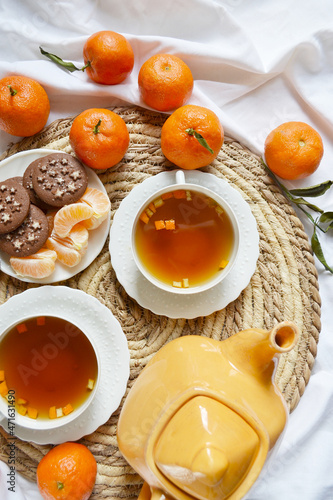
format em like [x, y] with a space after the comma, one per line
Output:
[284, 286]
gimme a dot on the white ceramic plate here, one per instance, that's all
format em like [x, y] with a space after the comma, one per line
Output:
[109, 342]
[15, 166]
[175, 305]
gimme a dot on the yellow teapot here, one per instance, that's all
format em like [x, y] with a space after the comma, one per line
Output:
[203, 414]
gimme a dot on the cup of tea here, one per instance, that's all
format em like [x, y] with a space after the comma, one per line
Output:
[49, 372]
[185, 237]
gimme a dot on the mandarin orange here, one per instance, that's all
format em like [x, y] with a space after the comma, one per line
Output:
[99, 138]
[192, 137]
[109, 57]
[293, 150]
[67, 472]
[165, 82]
[24, 106]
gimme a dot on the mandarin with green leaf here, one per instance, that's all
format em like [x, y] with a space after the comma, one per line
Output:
[192, 137]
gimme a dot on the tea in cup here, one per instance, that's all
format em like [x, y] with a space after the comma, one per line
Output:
[49, 372]
[185, 237]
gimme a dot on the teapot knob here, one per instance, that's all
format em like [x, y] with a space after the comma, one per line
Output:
[209, 465]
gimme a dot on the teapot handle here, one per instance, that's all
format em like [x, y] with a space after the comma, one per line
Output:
[151, 494]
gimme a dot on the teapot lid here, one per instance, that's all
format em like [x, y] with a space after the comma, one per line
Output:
[209, 450]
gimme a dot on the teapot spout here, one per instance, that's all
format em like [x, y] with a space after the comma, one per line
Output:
[283, 337]
[253, 350]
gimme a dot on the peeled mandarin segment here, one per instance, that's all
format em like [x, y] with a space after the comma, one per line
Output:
[69, 215]
[2, 375]
[66, 254]
[100, 204]
[78, 237]
[39, 265]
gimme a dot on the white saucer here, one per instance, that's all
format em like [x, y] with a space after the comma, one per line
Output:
[175, 305]
[15, 166]
[109, 341]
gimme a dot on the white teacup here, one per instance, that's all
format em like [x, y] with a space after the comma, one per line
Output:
[9, 416]
[181, 184]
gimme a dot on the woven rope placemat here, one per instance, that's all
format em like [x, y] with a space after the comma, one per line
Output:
[284, 286]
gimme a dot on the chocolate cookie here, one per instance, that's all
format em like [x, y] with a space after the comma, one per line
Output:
[29, 237]
[27, 183]
[59, 179]
[14, 205]
[18, 179]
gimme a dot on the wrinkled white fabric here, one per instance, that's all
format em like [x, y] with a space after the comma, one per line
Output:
[256, 64]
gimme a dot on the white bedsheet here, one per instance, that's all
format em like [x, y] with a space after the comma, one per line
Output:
[256, 64]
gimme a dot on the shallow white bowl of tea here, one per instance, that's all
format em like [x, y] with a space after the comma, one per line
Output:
[185, 238]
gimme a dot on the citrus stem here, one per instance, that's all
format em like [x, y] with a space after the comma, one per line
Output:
[12, 91]
[60, 485]
[324, 217]
[96, 127]
[64, 64]
[199, 138]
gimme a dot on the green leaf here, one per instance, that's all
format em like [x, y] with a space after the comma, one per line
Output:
[326, 217]
[297, 201]
[317, 190]
[301, 201]
[318, 251]
[200, 139]
[67, 65]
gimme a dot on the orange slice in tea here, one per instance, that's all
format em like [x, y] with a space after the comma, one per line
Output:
[100, 204]
[69, 215]
[39, 265]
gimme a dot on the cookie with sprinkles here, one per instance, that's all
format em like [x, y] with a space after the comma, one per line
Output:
[29, 237]
[59, 179]
[14, 205]
[27, 183]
